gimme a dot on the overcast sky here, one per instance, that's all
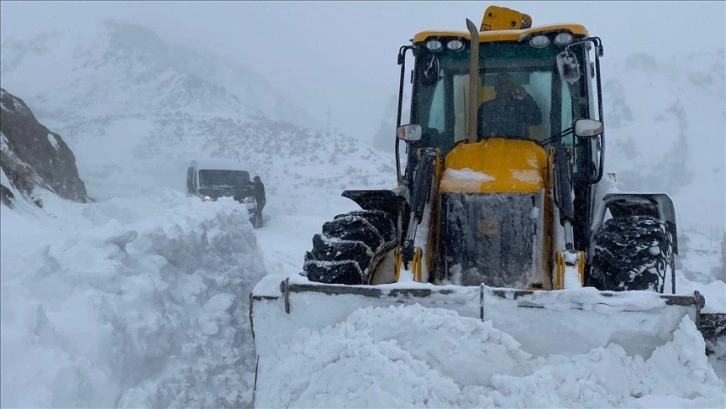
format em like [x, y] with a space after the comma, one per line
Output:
[343, 54]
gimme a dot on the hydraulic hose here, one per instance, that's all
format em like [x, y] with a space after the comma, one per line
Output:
[423, 177]
[566, 207]
[422, 183]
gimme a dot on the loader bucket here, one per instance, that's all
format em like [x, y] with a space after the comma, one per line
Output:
[280, 306]
[571, 322]
[563, 322]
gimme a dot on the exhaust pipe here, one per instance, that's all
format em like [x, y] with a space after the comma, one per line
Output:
[473, 82]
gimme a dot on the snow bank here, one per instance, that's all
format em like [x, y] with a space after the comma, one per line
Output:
[389, 357]
[135, 307]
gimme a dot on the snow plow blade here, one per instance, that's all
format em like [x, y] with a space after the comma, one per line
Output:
[543, 322]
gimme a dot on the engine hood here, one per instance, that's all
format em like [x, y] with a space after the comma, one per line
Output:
[495, 165]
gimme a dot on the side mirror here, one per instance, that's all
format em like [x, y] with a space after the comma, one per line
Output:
[568, 67]
[410, 132]
[588, 128]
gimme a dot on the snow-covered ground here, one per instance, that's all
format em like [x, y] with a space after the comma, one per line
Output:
[142, 301]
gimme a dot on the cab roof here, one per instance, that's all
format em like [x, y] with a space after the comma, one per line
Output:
[503, 35]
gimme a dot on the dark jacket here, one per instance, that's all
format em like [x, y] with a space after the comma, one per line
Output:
[259, 192]
[508, 117]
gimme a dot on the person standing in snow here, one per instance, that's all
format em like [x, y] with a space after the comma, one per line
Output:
[259, 194]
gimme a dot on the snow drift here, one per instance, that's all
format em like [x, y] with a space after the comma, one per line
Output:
[134, 307]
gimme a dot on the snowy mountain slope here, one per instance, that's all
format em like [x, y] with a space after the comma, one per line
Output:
[666, 121]
[33, 156]
[133, 52]
[136, 108]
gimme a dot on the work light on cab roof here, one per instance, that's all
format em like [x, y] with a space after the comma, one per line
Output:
[539, 41]
[563, 38]
[434, 45]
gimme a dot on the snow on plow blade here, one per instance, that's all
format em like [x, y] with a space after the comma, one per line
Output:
[564, 322]
[569, 322]
[280, 306]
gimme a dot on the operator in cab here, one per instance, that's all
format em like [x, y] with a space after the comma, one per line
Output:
[510, 113]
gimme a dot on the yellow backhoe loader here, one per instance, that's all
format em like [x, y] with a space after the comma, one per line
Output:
[500, 212]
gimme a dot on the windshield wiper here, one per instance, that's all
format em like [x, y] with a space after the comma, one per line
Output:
[558, 136]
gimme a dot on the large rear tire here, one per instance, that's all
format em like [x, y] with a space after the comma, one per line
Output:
[633, 253]
[350, 247]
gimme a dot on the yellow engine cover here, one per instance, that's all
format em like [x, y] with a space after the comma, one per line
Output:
[495, 165]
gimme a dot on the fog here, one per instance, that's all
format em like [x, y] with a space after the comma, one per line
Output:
[340, 57]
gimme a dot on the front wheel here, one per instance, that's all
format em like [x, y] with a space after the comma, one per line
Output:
[633, 253]
[350, 248]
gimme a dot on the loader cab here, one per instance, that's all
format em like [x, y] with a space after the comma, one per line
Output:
[440, 84]
[533, 58]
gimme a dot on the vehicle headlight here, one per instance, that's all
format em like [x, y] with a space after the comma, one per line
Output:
[207, 198]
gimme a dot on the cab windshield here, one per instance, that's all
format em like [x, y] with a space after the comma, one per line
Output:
[440, 105]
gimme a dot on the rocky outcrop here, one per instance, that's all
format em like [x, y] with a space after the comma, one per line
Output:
[34, 157]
